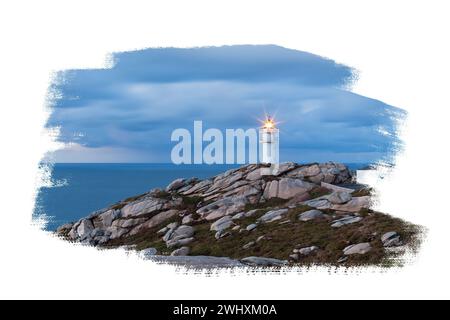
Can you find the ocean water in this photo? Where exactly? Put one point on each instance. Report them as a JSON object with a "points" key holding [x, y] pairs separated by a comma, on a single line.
{"points": [[78, 189]]}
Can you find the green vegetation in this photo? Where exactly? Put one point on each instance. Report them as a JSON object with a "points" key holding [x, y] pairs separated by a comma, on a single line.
{"points": [[280, 239], [362, 192], [319, 192], [162, 194]]}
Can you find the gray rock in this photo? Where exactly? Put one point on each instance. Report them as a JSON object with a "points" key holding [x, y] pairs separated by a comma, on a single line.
{"points": [[320, 203], [391, 239], [172, 225], [154, 221], [198, 261], [182, 232], [360, 248], [223, 207], [145, 206], [354, 205], [250, 227], [273, 215], [288, 187], [342, 259], [305, 171], [85, 228], [250, 213], [148, 252], [246, 191], [162, 231], [311, 215], [339, 197], [254, 175], [97, 232], [283, 168], [248, 245], [308, 250], [117, 232], [183, 251], [271, 190], [176, 184], [344, 221], [179, 242], [128, 223], [108, 217], [260, 238], [334, 187], [238, 216], [222, 224], [221, 234], [187, 219], [294, 256], [263, 262], [168, 234], [199, 187], [225, 180]]}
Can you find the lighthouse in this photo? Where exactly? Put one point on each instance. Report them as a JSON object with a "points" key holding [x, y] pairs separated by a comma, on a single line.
{"points": [[269, 141]]}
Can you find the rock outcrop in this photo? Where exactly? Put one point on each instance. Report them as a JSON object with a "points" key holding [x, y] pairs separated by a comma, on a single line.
{"points": [[251, 206]]}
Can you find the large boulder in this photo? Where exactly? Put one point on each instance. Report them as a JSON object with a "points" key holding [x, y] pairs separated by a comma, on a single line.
{"points": [[145, 206], [222, 224], [271, 190], [85, 228], [182, 232], [273, 215], [311, 215], [288, 188], [108, 217]]}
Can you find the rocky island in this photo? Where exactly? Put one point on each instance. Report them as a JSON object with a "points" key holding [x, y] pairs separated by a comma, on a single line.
{"points": [[301, 214]]}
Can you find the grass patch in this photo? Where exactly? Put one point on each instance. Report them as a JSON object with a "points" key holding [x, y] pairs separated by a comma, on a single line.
{"points": [[362, 192], [162, 194], [318, 192], [281, 239]]}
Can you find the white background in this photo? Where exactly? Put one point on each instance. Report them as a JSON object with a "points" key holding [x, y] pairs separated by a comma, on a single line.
{"points": [[400, 48]]}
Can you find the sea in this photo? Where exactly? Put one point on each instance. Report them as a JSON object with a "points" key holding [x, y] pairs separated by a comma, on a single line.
{"points": [[78, 189]]}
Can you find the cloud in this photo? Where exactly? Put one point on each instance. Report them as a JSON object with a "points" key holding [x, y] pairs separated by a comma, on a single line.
{"points": [[138, 103]]}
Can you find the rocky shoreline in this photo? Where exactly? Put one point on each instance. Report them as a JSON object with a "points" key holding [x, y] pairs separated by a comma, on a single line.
{"points": [[301, 214]]}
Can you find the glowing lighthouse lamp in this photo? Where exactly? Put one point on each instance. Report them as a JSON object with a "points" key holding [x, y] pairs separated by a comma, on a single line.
{"points": [[269, 141]]}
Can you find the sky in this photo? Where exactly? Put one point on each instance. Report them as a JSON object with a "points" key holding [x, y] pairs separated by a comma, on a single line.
{"points": [[127, 113]]}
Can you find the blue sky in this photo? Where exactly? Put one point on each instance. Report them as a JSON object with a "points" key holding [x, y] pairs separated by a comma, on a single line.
{"points": [[127, 113]]}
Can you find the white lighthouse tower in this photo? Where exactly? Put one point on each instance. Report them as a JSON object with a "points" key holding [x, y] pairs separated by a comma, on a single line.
{"points": [[269, 142]]}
